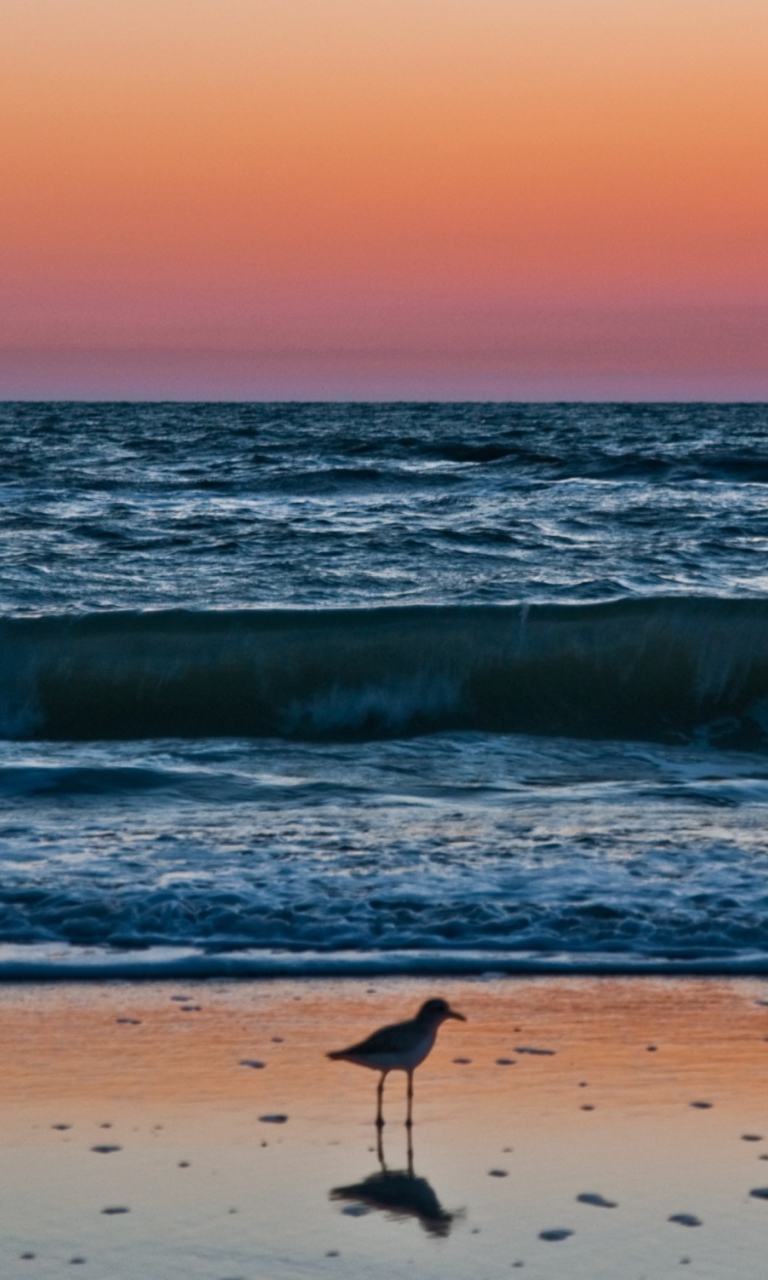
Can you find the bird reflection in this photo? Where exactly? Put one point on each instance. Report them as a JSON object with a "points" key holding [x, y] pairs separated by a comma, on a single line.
{"points": [[400, 1193]]}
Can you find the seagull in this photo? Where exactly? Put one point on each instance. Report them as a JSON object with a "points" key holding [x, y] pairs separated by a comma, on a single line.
{"points": [[402, 1047]]}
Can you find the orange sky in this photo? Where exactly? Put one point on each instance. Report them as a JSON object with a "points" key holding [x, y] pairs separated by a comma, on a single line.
{"points": [[421, 176]]}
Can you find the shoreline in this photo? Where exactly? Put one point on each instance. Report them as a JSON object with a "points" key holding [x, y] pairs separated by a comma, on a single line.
{"points": [[62, 963], [645, 1094]]}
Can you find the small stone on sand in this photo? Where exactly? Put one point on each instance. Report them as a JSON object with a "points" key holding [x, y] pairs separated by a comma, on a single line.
{"points": [[498, 1173], [277, 1039], [751, 1137], [685, 1219], [505, 1062], [539, 1053], [183, 1164], [131, 1022], [76, 1262], [115, 1208], [105, 1151], [463, 1062], [276, 1119], [591, 1197], [701, 1106], [556, 1233], [61, 1126], [587, 1106], [760, 1193], [251, 1062], [26, 1257]]}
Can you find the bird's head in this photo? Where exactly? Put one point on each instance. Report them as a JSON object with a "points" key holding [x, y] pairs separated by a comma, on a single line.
{"points": [[437, 1011]]}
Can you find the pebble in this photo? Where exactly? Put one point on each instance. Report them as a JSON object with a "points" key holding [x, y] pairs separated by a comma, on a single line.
{"points": [[701, 1106], [760, 1193], [116, 1208], [751, 1137], [498, 1173], [463, 1061], [105, 1151], [251, 1062], [539, 1053], [131, 1022], [591, 1197], [556, 1233], [685, 1219], [505, 1062], [61, 1126], [276, 1119]]}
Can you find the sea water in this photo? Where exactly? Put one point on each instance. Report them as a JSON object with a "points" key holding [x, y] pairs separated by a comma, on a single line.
{"points": [[383, 688]]}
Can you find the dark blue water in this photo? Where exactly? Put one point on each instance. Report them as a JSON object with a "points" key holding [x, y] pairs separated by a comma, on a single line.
{"points": [[383, 687]]}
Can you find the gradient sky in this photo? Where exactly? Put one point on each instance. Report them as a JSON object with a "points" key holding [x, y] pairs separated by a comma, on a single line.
{"points": [[301, 198]]}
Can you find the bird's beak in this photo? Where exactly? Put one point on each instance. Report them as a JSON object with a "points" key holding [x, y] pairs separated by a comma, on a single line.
{"points": [[453, 1014]]}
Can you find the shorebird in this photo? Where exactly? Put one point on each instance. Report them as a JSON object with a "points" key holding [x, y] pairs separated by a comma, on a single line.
{"points": [[402, 1047]]}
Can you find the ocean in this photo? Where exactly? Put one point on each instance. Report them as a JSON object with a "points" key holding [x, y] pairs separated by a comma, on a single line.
{"points": [[383, 688]]}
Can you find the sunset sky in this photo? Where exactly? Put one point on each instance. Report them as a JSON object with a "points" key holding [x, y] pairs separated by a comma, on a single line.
{"points": [[350, 198]]}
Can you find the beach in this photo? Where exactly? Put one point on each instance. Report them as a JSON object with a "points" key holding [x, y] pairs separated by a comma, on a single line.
{"points": [[309, 713], [136, 1123]]}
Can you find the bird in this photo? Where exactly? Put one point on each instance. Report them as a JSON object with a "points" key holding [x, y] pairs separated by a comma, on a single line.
{"points": [[402, 1047]]}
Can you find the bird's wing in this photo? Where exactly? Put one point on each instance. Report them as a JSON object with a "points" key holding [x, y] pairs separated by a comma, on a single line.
{"points": [[381, 1041]]}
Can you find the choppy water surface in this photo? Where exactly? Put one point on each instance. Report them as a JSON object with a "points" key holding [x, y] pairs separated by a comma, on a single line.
{"points": [[383, 687]]}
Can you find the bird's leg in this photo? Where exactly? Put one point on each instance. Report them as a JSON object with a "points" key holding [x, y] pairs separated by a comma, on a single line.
{"points": [[410, 1151], [380, 1150], [409, 1117], [380, 1100]]}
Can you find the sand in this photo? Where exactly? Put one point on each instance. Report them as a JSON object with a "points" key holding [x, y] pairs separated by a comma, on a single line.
{"points": [[591, 1128]]}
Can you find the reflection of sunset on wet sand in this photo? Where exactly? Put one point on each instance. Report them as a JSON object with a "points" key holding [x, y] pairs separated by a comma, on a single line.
{"points": [[505, 1141]]}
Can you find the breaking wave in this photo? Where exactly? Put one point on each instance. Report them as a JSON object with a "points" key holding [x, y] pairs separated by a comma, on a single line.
{"points": [[665, 669]]}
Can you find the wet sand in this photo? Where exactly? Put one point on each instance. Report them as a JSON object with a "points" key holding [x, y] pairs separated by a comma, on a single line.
{"points": [[138, 1138]]}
